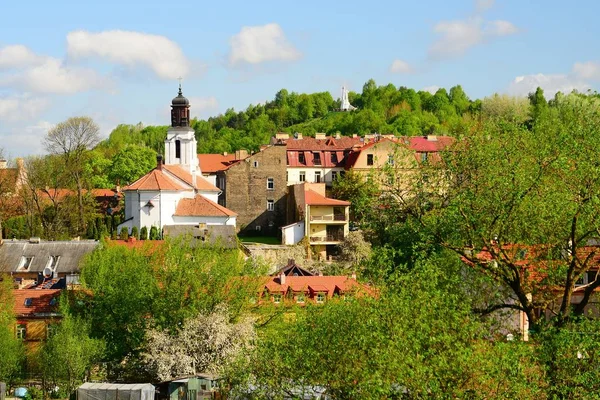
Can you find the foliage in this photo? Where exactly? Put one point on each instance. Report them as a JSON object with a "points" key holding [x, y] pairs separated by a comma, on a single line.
{"points": [[354, 249], [135, 233], [11, 348], [124, 234], [144, 233], [70, 353], [130, 163], [205, 343], [353, 187], [154, 233]]}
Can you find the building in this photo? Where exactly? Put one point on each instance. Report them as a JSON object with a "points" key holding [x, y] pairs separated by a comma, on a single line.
{"points": [[256, 189], [36, 262], [213, 168], [318, 159], [36, 311], [326, 221], [175, 192]]}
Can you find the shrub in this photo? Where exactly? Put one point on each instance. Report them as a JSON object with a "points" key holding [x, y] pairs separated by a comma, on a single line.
{"points": [[124, 234], [154, 234], [135, 233], [144, 233]]}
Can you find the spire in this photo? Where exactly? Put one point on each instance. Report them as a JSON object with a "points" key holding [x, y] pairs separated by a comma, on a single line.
{"points": [[180, 110]]}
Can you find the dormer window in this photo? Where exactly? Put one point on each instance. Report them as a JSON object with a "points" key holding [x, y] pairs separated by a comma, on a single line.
{"points": [[25, 262], [334, 159], [317, 158], [301, 159], [53, 262], [320, 297]]}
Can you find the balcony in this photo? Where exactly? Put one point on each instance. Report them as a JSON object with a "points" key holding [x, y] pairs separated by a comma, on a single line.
{"points": [[329, 218], [327, 239]]}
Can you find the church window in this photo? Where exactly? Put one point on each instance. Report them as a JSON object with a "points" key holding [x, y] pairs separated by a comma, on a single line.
{"points": [[178, 149]]}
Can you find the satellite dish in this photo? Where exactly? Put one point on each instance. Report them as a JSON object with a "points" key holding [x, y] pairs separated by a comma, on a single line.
{"points": [[48, 272]]}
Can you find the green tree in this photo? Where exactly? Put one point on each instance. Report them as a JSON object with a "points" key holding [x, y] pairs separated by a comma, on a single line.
{"points": [[354, 188], [130, 163], [11, 348]]}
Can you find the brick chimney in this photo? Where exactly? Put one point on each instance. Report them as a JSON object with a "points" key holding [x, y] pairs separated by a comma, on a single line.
{"points": [[159, 162]]}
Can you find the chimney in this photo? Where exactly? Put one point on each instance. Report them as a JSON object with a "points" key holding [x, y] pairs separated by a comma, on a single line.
{"points": [[282, 135], [159, 162], [354, 136], [225, 153], [320, 136], [282, 278], [431, 138], [338, 135], [3, 164], [290, 262], [353, 276], [298, 136], [241, 154], [320, 273]]}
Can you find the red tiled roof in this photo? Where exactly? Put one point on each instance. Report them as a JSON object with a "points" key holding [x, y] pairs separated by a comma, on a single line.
{"points": [[330, 151], [312, 144], [201, 183], [329, 285], [40, 301], [155, 180], [200, 206], [211, 163], [313, 198]]}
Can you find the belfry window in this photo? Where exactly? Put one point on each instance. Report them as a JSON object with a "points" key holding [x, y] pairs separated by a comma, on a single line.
{"points": [[177, 148]]}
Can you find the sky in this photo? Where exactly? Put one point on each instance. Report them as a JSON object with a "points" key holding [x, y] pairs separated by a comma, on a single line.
{"points": [[119, 61]]}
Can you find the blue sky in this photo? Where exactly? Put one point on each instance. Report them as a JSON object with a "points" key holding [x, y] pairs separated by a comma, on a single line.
{"points": [[118, 61]]}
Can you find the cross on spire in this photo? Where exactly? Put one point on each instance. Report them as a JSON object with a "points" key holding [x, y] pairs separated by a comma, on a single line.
{"points": [[180, 79]]}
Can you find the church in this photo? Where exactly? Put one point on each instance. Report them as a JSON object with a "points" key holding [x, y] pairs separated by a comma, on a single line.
{"points": [[175, 193]]}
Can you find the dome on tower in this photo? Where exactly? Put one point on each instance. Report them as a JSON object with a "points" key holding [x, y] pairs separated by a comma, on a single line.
{"points": [[180, 100]]}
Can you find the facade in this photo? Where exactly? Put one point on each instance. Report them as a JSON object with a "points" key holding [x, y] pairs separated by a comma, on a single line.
{"points": [[326, 221], [175, 192], [256, 190], [35, 262], [213, 168], [318, 159]]}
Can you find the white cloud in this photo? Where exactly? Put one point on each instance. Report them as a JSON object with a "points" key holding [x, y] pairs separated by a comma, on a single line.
{"points": [[53, 76], [456, 37], [483, 5], [431, 89], [203, 106], [258, 44], [401, 67], [551, 83], [128, 48], [21, 108], [19, 141], [18, 56], [587, 70]]}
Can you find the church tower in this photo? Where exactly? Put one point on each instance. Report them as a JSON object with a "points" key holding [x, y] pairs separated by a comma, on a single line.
{"points": [[180, 144]]}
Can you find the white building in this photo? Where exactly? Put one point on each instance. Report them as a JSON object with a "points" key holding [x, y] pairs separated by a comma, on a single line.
{"points": [[175, 193]]}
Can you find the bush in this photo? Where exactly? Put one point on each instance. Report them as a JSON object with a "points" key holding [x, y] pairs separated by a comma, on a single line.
{"points": [[124, 234], [154, 234], [135, 233], [144, 233]]}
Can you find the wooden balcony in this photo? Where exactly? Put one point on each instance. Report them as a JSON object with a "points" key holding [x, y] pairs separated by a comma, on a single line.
{"points": [[335, 218]]}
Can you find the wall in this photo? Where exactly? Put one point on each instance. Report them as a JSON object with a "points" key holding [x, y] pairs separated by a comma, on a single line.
{"points": [[292, 234]]}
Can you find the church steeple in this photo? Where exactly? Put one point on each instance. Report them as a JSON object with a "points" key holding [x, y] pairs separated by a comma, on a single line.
{"points": [[180, 110]]}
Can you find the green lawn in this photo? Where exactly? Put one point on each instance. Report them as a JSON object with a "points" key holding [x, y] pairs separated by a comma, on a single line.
{"points": [[259, 239]]}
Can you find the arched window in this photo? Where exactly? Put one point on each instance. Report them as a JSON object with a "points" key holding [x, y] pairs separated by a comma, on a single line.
{"points": [[177, 149]]}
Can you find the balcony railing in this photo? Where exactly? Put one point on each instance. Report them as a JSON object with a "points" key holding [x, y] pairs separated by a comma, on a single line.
{"points": [[327, 238], [334, 217]]}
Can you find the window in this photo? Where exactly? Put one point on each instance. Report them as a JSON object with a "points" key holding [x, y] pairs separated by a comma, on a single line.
{"points": [[390, 159], [317, 158], [276, 298], [27, 302], [50, 330], [369, 159], [257, 228], [53, 263], [255, 164], [320, 297], [177, 149], [302, 176], [300, 298], [270, 205], [301, 158], [26, 262], [333, 175], [270, 184], [21, 331], [334, 159], [342, 174], [317, 176]]}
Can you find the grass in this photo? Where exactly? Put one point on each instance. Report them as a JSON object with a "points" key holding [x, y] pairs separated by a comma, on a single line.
{"points": [[259, 239]]}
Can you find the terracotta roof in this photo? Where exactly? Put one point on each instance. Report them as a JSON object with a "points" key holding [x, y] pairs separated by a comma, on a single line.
{"points": [[313, 198], [211, 163], [329, 285], [309, 143], [133, 243], [155, 180], [200, 206], [201, 183], [40, 303]]}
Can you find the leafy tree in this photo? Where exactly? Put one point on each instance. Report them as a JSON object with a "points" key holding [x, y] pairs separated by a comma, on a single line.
{"points": [[130, 163], [354, 188], [71, 140], [11, 348]]}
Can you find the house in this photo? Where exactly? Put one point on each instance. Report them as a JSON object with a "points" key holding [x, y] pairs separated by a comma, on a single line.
{"points": [[175, 192], [289, 289], [36, 311], [213, 167], [256, 189], [326, 221], [318, 159], [37, 262]]}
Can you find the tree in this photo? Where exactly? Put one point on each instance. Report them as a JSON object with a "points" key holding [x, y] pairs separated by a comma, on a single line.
{"points": [[69, 354], [205, 343], [519, 205], [130, 163], [71, 140], [354, 188], [354, 249], [11, 348]]}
